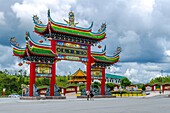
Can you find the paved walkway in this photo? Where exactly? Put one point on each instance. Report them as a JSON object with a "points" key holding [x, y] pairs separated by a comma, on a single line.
{"points": [[111, 105], [156, 93], [154, 104]]}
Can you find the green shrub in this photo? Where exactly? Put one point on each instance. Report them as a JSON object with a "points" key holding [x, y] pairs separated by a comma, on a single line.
{"points": [[110, 85], [81, 87], [126, 92], [96, 85]]}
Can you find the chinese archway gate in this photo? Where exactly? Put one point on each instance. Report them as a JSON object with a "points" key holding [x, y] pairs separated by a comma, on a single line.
{"points": [[67, 42]]}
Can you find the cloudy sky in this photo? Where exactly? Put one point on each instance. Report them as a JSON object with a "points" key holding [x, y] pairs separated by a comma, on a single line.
{"points": [[140, 27]]}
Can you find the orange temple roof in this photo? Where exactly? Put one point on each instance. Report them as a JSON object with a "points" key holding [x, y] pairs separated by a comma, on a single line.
{"points": [[79, 73]]}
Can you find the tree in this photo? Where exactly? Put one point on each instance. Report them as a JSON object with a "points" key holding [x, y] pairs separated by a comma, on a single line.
{"points": [[110, 85], [160, 80], [125, 82], [143, 87], [96, 85], [20, 72], [25, 73], [6, 71]]}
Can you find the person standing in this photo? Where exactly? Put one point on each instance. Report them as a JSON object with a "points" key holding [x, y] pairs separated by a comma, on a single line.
{"points": [[91, 95], [88, 94]]}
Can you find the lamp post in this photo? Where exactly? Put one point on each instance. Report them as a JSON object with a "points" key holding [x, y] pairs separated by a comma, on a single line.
{"points": [[162, 72], [162, 80], [162, 76]]}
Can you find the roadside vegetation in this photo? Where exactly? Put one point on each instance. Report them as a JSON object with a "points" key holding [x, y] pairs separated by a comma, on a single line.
{"points": [[13, 83]]}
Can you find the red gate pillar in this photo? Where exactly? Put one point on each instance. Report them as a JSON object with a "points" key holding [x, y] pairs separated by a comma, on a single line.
{"points": [[153, 87], [88, 68], [163, 88], [103, 82], [32, 78], [53, 78], [34, 73], [76, 89]]}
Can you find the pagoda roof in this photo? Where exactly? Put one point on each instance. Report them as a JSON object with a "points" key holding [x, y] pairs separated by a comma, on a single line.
{"points": [[56, 27], [18, 51], [32, 48], [103, 58], [39, 49], [79, 73], [78, 80]]}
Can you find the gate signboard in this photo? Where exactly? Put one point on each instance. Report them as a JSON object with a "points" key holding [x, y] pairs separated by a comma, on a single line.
{"points": [[96, 73], [70, 51], [43, 70]]}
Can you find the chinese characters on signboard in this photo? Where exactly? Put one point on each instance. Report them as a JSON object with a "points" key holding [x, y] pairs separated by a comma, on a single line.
{"points": [[43, 70], [73, 52], [96, 73]]}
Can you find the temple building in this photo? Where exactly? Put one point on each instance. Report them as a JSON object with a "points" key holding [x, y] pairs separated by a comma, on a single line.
{"points": [[80, 77]]}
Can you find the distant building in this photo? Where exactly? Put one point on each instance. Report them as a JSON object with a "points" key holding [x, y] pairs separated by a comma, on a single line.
{"points": [[80, 77], [111, 78]]}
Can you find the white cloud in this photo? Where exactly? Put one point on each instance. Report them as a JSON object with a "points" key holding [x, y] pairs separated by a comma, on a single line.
{"points": [[25, 10], [142, 72], [130, 41], [5, 54], [69, 67], [2, 18], [9, 62], [142, 6], [114, 69], [167, 52]]}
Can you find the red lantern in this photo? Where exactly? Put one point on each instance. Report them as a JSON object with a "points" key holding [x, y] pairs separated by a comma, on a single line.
{"points": [[99, 46], [41, 41], [49, 39], [28, 62], [20, 64]]}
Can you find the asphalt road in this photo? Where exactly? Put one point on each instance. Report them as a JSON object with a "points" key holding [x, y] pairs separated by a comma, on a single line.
{"points": [[72, 105]]}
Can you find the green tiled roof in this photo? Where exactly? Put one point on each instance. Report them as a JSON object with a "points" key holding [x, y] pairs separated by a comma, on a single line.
{"points": [[41, 51], [18, 52], [114, 76], [57, 27], [106, 59], [63, 29]]}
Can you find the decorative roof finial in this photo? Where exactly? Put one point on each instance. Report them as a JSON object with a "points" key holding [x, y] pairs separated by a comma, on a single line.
{"points": [[14, 42], [118, 50], [71, 19], [48, 13], [104, 48], [27, 34], [37, 20], [103, 27]]}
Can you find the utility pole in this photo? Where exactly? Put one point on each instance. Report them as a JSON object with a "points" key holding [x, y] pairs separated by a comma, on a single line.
{"points": [[162, 81], [162, 75]]}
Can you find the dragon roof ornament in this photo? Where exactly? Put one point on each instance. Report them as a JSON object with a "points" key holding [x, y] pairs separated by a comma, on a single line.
{"points": [[37, 20], [118, 50], [103, 27], [14, 42]]}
